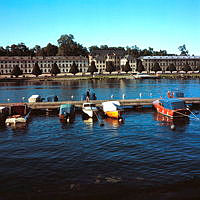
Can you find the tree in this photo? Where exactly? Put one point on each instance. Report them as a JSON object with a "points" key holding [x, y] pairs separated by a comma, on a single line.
{"points": [[36, 70], [186, 68], [74, 68], [92, 68], [16, 71], [156, 67], [50, 50], [127, 67], [183, 50], [92, 48], [68, 47], [140, 68], [110, 67], [171, 67], [55, 70]]}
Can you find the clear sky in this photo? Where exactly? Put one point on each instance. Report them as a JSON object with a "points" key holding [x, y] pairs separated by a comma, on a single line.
{"points": [[160, 24]]}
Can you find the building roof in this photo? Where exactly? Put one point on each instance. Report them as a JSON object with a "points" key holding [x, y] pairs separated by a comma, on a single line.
{"points": [[104, 52], [168, 57], [38, 58]]}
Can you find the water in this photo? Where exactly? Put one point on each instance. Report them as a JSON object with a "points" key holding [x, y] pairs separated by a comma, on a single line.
{"points": [[142, 158]]}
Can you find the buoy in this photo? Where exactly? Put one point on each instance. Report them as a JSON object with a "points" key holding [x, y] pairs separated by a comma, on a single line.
{"points": [[72, 97], [172, 127]]}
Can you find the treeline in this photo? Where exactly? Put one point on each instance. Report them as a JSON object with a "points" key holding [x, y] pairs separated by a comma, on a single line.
{"points": [[68, 47]]}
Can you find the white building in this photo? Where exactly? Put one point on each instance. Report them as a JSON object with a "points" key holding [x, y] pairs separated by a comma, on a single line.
{"points": [[45, 63], [132, 62], [165, 61]]}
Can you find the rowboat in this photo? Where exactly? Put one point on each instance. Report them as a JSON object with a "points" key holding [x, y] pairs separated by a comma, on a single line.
{"points": [[171, 107], [67, 112], [18, 113]]}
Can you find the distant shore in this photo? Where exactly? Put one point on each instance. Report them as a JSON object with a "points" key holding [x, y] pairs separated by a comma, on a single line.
{"points": [[60, 77]]}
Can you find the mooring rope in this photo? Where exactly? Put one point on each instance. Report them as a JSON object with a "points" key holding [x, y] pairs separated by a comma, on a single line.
{"points": [[195, 117]]}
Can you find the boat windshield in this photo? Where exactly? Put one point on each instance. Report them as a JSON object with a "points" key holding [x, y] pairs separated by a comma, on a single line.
{"points": [[89, 105]]}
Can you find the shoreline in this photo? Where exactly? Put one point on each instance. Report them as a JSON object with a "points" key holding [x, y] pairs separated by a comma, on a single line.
{"points": [[97, 77]]}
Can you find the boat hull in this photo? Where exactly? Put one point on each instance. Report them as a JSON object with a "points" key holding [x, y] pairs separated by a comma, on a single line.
{"points": [[178, 113], [113, 114]]}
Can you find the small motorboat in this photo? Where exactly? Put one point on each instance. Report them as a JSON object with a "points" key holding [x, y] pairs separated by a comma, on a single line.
{"points": [[67, 112], [34, 98], [145, 76], [89, 110], [112, 109], [171, 107], [18, 113], [4, 112]]}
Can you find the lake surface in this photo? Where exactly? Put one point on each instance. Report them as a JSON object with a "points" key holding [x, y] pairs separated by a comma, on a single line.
{"points": [[142, 158]]}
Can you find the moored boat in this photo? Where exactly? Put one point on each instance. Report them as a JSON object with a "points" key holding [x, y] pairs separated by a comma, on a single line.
{"points": [[34, 98], [112, 109], [145, 76], [67, 112], [89, 110], [171, 107], [18, 113]]}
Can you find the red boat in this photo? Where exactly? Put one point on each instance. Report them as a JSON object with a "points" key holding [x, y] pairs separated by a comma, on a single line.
{"points": [[171, 107]]}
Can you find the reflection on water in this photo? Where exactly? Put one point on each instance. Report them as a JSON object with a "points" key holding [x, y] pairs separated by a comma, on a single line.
{"points": [[49, 157], [167, 121], [113, 122]]}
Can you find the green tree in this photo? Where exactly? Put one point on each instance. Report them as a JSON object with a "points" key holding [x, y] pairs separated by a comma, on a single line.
{"points": [[171, 67], [183, 50], [74, 68], [140, 68], [16, 71], [110, 67], [92, 68], [50, 50], [55, 69], [127, 67], [68, 47], [36, 70], [186, 68], [156, 67]]}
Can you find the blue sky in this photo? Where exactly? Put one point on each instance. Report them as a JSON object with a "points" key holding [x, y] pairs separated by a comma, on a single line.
{"points": [[160, 24]]}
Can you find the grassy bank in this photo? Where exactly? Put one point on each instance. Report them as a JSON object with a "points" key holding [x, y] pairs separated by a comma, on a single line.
{"points": [[89, 77]]}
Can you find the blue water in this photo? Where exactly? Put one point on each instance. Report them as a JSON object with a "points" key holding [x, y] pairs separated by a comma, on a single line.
{"points": [[142, 158]]}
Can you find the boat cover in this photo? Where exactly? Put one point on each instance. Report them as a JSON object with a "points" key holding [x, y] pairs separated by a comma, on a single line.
{"points": [[111, 106], [173, 104]]}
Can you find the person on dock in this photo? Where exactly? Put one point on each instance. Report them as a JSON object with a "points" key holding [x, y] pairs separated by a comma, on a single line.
{"points": [[88, 95], [94, 96]]}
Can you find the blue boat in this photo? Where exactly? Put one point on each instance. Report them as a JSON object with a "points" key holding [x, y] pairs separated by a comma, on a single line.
{"points": [[67, 112]]}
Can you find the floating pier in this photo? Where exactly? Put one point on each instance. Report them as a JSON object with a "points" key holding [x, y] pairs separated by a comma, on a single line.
{"points": [[123, 102]]}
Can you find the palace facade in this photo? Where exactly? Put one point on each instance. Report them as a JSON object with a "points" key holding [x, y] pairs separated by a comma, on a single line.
{"points": [[165, 61], [45, 63], [102, 56]]}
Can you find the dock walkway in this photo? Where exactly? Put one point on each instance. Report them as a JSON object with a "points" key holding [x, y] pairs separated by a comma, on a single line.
{"points": [[124, 102]]}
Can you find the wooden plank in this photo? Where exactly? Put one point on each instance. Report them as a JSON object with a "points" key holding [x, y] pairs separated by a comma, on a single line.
{"points": [[123, 102]]}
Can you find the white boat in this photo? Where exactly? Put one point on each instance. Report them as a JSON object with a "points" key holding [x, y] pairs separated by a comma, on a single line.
{"points": [[18, 113], [112, 109], [89, 110], [145, 76], [34, 98]]}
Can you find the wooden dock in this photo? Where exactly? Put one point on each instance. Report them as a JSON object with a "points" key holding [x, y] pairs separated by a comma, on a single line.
{"points": [[124, 102]]}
